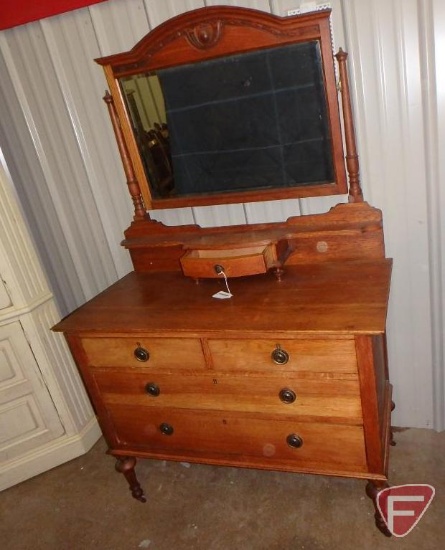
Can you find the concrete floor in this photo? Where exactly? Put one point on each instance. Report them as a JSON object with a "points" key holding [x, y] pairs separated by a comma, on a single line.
{"points": [[84, 504]]}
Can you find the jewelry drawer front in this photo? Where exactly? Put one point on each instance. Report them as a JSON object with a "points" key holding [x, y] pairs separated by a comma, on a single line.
{"points": [[320, 396], [142, 352], [323, 355], [235, 438]]}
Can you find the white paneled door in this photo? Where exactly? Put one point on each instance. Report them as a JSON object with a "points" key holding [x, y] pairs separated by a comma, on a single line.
{"points": [[5, 300], [45, 416], [28, 417]]}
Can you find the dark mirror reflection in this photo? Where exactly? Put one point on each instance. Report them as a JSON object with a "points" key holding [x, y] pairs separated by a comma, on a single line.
{"points": [[252, 121], [146, 109]]}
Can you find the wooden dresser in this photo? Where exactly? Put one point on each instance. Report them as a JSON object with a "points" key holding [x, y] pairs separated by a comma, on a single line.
{"points": [[286, 375], [289, 370]]}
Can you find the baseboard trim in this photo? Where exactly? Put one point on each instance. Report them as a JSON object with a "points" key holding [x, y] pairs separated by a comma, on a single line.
{"points": [[49, 456]]}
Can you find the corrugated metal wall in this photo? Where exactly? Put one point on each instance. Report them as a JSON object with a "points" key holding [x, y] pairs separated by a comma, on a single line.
{"points": [[58, 143]]}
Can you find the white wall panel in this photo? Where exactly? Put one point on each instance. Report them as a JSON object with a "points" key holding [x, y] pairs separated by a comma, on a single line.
{"points": [[52, 133], [208, 216], [60, 146], [174, 216], [44, 224], [386, 57], [118, 24], [158, 12], [81, 79], [263, 5], [271, 211], [433, 50]]}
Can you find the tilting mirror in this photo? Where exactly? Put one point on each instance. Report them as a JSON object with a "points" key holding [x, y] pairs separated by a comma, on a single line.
{"points": [[206, 119]]}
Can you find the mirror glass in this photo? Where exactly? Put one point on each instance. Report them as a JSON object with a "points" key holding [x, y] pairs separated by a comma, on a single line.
{"points": [[244, 122]]}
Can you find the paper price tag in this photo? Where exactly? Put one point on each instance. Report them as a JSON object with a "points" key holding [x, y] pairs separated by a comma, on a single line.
{"points": [[222, 295]]}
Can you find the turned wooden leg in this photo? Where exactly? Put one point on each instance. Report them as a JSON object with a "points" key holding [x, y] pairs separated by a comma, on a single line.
{"points": [[125, 465], [372, 489]]}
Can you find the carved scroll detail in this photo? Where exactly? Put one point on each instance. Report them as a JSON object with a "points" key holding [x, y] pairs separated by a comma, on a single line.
{"points": [[205, 35]]}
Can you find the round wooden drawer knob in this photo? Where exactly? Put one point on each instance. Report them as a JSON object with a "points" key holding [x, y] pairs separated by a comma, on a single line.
{"points": [[166, 429], [287, 396], [294, 440], [152, 389], [141, 354], [280, 356]]}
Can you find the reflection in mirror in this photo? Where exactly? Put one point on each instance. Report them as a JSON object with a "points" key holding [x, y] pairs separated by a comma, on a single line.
{"points": [[250, 121], [146, 110]]}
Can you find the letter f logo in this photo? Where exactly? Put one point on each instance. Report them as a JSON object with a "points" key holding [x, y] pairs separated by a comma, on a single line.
{"points": [[402, 507]]}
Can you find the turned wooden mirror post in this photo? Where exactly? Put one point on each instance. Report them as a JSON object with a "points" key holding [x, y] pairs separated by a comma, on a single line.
{"points": [[352, 162], [133, 185]]}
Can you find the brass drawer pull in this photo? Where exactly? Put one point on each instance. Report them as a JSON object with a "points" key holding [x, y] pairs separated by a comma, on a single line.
{"points": [[141, 354], [287, 396], [166, 429], [152, 389], [294, 440], [280, 356]]}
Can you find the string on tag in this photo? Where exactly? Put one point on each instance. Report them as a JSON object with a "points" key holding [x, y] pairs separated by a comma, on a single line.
{"points": [[226, 281], [222, 294]]}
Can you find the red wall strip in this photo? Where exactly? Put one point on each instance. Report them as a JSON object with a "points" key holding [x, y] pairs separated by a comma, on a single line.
{"points": [[19, 12]]}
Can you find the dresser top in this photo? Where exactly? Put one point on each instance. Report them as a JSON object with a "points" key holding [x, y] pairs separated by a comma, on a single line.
{"points": [[347, 298]]}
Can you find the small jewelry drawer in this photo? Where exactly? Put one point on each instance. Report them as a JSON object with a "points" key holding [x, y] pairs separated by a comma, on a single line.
{"points": [[234, 262], [142, 352], [324, 355]]}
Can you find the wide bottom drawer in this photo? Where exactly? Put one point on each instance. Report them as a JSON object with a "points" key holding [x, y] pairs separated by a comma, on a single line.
{"points": [[258, 439]]}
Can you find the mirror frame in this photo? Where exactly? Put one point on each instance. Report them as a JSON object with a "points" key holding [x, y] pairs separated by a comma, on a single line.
{"points": [[209, 33]]}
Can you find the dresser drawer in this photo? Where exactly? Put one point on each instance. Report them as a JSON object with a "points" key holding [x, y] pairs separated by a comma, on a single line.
{"points": [[234, 262], [140, 352], [329, 356], [252, 439], [320, 397]]}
